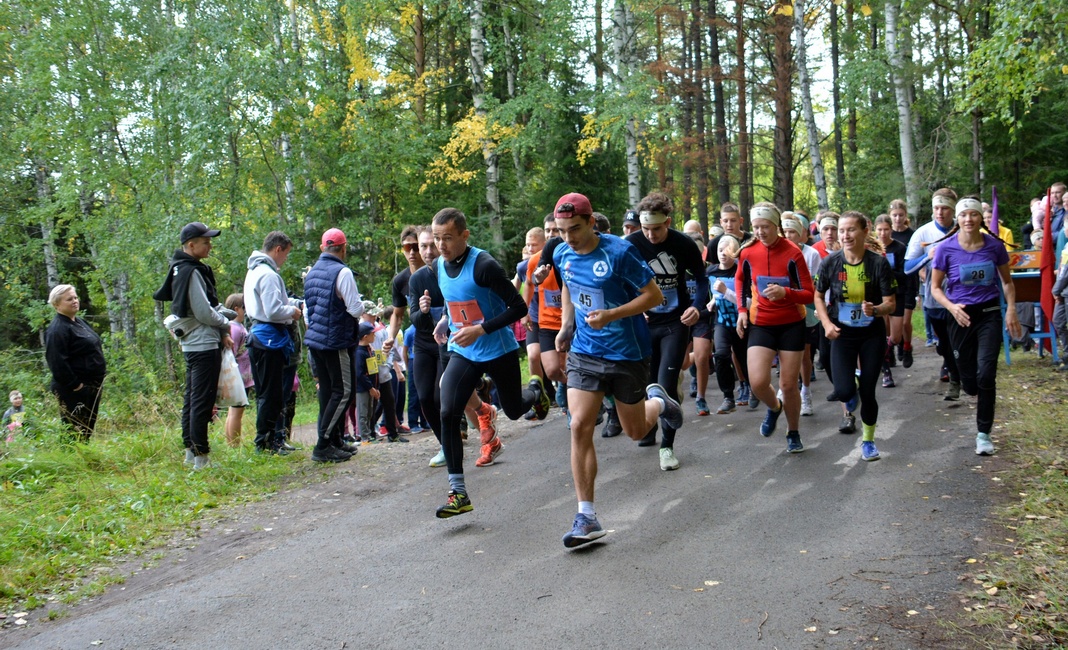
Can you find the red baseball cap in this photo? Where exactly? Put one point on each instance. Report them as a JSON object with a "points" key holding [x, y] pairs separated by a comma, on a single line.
{"points": [[573, 204], [334, 237]]}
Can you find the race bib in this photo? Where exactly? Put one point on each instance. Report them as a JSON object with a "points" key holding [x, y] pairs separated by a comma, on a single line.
{"points": [[890, 258], [851, 314], [586, 299], [691, 288], [553, 299], [465, 313], [372, 364], [670, 302], [764, 280], [978, 274]]}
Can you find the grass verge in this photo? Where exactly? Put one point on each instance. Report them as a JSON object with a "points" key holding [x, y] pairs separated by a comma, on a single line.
{"points": [[1019, 592]]}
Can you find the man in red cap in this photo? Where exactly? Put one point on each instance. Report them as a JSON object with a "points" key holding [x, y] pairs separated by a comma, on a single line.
{"points": [[333, 307]]}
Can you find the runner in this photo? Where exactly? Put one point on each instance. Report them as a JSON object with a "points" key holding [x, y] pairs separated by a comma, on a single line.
{"points": [[607, 289], [902, 233], [862, 290], [480, 305], [920, 251], [796, 228], [728, 344], [895, 255], [547, 288], [673, 257], [773, 287], [968, 263], [731, 223]]}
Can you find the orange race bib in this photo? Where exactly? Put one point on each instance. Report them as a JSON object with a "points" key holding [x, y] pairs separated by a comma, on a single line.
{"points": [[465, 313]]}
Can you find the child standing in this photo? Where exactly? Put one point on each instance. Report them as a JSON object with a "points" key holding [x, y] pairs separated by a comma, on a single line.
{"points": [[13, 416], [366, 381]]}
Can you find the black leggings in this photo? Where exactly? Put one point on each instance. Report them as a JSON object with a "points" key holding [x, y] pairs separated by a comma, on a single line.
{"points": [[460, 379], [669, 351], [78, 409], [868, 345], [976, 349], [426, 376], [945, 348], [726, 342]]}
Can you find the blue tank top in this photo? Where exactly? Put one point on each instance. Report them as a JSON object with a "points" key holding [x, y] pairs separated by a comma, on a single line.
{"points": [[467, 304], [608, 276]]}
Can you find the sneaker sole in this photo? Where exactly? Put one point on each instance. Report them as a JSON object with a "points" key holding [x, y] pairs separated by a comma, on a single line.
{"points": [[870, 458], [445, 514], [669, 469], [575, 542], [492, 459]]}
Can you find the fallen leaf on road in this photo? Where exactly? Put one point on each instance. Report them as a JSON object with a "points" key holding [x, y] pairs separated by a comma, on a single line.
{"points": [[711, 583], [911, 612], [992, 591], [832, 632], [699, 589], [971, 560], [810, 629]]}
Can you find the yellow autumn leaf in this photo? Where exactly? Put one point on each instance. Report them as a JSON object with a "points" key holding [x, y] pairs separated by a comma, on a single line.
{"points": [[1064, 69], [786, 10], [865, 10]]}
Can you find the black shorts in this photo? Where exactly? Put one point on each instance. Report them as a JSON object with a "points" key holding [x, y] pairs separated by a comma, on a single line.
{"points": [[703, 329], [907, 301], [532, 335], [624, 380], [784, 338], [812, 335], [547, 338]]}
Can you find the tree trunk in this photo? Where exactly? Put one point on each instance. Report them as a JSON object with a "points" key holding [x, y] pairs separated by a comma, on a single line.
{"points": [[419, 45], [489, 151], [168, 348], [782, 96], [978, 164], [598, 47], [623, 42], [698, 86], [48, 223], [723, 180], [816, 158], [685, 203], [836, 98], [743, 133], [904, 111], [512, 73], [851, 126]]}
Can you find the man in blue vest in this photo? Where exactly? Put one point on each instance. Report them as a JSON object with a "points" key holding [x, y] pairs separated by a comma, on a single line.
{"points": [[480, 305], [334, 306]]}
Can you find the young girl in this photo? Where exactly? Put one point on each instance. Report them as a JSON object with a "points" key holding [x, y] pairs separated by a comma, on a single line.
{"points": [[895, 255], [970, 262], [862, 290], [238, 333], [724, 309]]}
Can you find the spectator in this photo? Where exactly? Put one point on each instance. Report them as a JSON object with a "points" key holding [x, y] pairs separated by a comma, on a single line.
{"points": [[202, 331], [75, 355], [238, 333], [1003, 233], [367, 381], [1056, 198], [14, 416], [416, 420]]}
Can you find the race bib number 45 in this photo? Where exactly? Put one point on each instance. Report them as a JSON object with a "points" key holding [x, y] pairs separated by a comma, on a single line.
{"points": [[586, 299]]}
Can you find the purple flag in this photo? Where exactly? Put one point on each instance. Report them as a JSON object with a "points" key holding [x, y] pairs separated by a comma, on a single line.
{"points": [[994, 225]]}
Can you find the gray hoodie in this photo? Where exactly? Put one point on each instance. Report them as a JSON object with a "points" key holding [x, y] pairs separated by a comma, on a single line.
{"points": [[266, 300], [206, 326]]}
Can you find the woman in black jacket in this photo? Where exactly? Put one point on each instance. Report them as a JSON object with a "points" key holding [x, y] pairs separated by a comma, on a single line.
{"points": [[76, 358]]}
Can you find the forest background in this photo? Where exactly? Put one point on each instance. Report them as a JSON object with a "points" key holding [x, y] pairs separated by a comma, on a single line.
{"points": [[122, 120]]}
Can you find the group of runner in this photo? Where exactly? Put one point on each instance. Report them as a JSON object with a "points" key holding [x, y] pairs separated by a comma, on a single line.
{"points": [[613, 321]]}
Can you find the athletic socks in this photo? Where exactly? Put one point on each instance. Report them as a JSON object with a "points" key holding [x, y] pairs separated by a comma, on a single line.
{"points": [[586, 508], [869, 432], [456, 483]]}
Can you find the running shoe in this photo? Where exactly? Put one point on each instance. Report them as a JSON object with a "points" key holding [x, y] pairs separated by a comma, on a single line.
{"points": [[397, 438], [726, 407], [613, 428], [672, 413], [668, 461], [853, 402], [650, 438], [702, 406], [983, 445], [743, 393], [953, 392], [485, 389], [489, 454], [771, 419], [600, 415], [330, 455], [848, 424], [456, 504], [415, 429], [793, 443], [754, 401], [583, 531], [888, 379], [530, 415], [832, 397], [561, 394], [541, 398], [693, 387], [439, 459], [402, 428], [944, 375], [487, 422], [906, 358], [900, 351], [868, 451], [806, 404]]}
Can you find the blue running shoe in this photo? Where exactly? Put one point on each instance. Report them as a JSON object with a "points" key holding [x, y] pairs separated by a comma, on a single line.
{"points": [[793, 443], [851, 405], [583, 531], [672, 413], [767, 427], [561, 394], [868, 451]]}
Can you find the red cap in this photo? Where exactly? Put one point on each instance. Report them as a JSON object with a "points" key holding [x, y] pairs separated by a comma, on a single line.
{"points": [[334, 237], [573, 204]]}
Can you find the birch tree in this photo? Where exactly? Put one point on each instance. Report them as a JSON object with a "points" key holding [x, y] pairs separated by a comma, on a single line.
{"points": [[624, 42], [904, 109], [818, 174], [479, 96]]}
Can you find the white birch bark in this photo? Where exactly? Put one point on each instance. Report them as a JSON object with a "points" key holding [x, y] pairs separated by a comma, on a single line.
{"points": [[624, 39], [818, 173], [904, 110], [489, 152]]}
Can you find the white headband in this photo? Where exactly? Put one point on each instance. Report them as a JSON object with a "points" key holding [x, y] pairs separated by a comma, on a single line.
{"points": [[969, 204], [764, 212], [648, 218], [938, 200], [795, 225], [828, 221]]}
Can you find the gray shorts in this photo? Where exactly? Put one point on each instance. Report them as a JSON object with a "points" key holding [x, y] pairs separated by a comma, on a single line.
{"points": [[624, 380]]}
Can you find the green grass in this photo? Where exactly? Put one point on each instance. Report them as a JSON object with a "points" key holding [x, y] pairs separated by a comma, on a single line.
{"points": [[1019, 592], [68, 510]]}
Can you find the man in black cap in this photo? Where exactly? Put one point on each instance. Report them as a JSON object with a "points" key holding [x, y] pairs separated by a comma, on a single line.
{"points": [[202, 330]]}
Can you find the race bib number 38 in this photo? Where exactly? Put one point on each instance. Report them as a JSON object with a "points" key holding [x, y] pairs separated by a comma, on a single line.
{"points": [[465, 313]]}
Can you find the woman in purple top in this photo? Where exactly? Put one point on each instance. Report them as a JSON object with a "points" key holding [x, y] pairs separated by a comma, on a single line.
{"points": [[234, 417], [970, 262]]}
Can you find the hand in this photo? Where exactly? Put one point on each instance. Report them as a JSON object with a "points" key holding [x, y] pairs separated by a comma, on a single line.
{"points": [[387, 345], [374, 393], [774, 292], [563, 341], [598, 318], [424, 302], [962, 318], [831, 330], [528, 324], [227, 341], [720, 286], [299, 313], [1012, 323], [465, 336], [690, 316], [867, 308], [540, 273], [743, 323], [80, 386], [441, 332]]}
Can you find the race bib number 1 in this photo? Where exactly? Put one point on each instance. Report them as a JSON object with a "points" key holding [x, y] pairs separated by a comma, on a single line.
{"points": [[465, 313]]}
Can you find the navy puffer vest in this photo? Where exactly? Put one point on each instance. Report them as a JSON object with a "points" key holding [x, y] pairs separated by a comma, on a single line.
{"points": [[330, 326]]}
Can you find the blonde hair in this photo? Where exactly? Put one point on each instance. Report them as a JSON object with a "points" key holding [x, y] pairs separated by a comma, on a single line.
{"points": [[13, 395], [58, 292]]}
